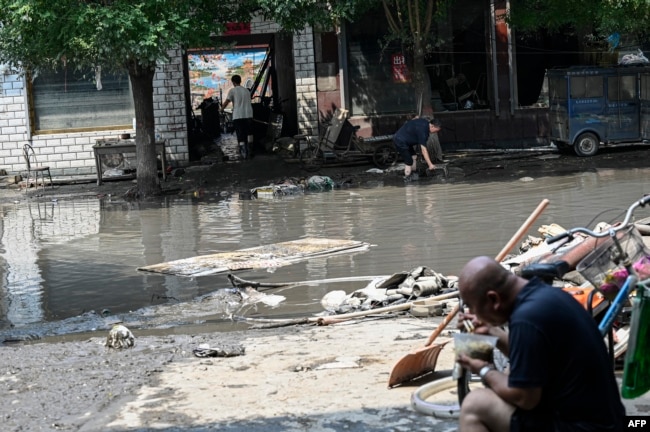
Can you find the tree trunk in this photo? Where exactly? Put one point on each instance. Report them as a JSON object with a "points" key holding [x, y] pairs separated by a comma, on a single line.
{"points": [[421, 81], [147, 164]]}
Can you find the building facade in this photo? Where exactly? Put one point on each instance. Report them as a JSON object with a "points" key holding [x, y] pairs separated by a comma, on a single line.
{"points": [[484, 86]]}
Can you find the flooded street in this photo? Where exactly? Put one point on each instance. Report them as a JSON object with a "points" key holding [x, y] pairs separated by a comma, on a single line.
{"points": [[68, 266]]}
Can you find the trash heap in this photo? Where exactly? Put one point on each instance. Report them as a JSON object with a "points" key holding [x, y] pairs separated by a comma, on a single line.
{"points": [[417, 284]]}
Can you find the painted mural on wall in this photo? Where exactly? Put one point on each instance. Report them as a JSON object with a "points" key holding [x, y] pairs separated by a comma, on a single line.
{"points": [[210, 72]]}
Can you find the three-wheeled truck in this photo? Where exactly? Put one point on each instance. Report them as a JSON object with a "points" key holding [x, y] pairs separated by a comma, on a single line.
{"points": [[590, 107]]}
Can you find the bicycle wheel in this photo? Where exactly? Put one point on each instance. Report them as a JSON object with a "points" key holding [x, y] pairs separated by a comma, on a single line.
{"points": [[384, 155], [311, 158]]}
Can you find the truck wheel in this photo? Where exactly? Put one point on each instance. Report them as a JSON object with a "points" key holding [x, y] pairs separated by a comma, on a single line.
{"points": [[586, 144]]}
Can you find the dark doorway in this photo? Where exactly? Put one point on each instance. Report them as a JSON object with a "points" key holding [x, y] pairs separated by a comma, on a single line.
{"points": [[268, 73]]}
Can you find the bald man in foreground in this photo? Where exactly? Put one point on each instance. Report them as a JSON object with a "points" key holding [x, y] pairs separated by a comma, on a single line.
{"points": [[560, 376]]}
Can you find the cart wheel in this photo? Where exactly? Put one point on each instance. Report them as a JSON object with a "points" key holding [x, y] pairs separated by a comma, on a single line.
{"points": [[311, 158], [384, 155]]}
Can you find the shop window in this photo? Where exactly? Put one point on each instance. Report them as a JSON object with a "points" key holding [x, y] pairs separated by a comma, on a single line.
{"points": [[70, 100], [537, 52], [372, 88], [379, 81]]}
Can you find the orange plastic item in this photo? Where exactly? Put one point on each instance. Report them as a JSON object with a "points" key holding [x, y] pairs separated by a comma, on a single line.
{"points": [[582, 296]]}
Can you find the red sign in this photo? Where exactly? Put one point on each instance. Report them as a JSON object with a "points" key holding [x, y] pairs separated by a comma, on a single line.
{"points": [[237, 28], [400, 70]]}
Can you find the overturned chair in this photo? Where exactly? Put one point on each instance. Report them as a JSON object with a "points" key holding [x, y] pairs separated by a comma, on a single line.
{"points": [[33, 167]]}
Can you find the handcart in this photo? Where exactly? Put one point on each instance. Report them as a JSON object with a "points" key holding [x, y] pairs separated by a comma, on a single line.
{"points": [[340, 144]]}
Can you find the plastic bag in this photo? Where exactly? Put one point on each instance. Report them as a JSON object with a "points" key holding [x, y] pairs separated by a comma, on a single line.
{"points": [[320, 183]]}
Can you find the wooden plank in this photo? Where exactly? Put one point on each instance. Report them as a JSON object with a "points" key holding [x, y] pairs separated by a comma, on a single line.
{"points": [[259, 257]]}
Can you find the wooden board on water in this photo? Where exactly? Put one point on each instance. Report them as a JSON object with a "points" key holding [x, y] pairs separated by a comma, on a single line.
{"points": [[260, 257]]}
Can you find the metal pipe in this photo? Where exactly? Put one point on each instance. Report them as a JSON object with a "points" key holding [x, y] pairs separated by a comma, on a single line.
{"points": [[341, 38], [512, 64], [493, 47]]}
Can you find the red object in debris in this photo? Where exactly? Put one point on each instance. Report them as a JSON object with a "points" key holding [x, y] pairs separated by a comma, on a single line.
{"points": [[169, 170]]}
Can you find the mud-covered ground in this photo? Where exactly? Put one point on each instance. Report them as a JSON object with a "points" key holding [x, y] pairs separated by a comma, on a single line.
{"points": [[297, 378], [213, 174]]}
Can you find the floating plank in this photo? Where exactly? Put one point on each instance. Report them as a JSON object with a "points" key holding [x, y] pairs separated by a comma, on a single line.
{"points": [[260, 257]]}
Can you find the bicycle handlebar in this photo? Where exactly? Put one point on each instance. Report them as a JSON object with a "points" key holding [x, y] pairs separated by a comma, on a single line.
{"points": [[610, 232]]}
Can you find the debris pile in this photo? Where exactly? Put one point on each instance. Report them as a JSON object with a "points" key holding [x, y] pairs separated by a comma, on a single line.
{"points": [[418, 283]]}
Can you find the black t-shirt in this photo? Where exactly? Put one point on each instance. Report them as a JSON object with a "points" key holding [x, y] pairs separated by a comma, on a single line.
{"points": [[414, 132], [555, 344]]}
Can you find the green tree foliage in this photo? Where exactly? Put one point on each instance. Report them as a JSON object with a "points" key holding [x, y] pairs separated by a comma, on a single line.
{"points": [[131, 35], [600, 16], [294, 15]]}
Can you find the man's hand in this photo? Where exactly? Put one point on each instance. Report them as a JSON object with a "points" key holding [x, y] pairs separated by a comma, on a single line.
{"points": [[471, 364], [479, 327]]}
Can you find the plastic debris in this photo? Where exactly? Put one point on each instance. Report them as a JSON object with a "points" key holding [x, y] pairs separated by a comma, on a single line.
{"points": [[276, 191], [204, 350], [320, 183], [120, 337]]}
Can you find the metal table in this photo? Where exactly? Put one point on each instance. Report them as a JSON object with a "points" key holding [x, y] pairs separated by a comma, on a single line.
{"points": [[108, 146]]}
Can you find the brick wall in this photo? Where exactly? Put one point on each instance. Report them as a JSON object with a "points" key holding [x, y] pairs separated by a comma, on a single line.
{"points": [[303, 48], [305, 67], [169, 108], [71, 154]]}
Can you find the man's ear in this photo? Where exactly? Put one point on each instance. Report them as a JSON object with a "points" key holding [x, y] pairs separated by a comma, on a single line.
{"points": [[494, 299]]}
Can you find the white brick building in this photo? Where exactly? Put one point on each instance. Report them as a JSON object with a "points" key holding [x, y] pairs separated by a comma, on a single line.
{"points": [[71, 153]]}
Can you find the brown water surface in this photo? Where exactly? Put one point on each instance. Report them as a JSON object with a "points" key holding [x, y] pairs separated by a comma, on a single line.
{"points": [[70, 266]]}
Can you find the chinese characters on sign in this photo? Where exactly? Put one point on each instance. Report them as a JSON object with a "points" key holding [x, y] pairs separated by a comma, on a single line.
{"points": [[400, 70], [237, 28]]}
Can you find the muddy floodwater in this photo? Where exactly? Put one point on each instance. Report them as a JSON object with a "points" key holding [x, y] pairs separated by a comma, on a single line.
{"points": [[70, 266]]}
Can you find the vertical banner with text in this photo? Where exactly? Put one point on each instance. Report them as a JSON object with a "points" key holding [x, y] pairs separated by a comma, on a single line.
{"points": [[400, 70]]}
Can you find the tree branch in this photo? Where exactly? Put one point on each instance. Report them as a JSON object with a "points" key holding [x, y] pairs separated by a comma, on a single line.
{"points": [[389, 17], [429, 17]]}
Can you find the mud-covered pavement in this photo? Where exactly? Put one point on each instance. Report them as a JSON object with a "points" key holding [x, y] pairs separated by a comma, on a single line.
{"points": [[301, 378], [229, 178], [304, 378], [293, 379]]}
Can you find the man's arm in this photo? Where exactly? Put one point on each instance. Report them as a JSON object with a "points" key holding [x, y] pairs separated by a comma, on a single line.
{"points": [[225, 104], [525, 398], [427, 159]]}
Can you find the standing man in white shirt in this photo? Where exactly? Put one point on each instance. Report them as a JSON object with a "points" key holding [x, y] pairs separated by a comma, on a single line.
{"points": [[242, 113]]}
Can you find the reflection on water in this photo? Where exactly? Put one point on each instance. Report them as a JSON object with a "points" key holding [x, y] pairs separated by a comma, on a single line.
{"points": [[61, 260]]}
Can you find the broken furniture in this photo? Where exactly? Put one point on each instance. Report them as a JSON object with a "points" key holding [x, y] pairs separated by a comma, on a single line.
{"points": [[121, 147]]}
